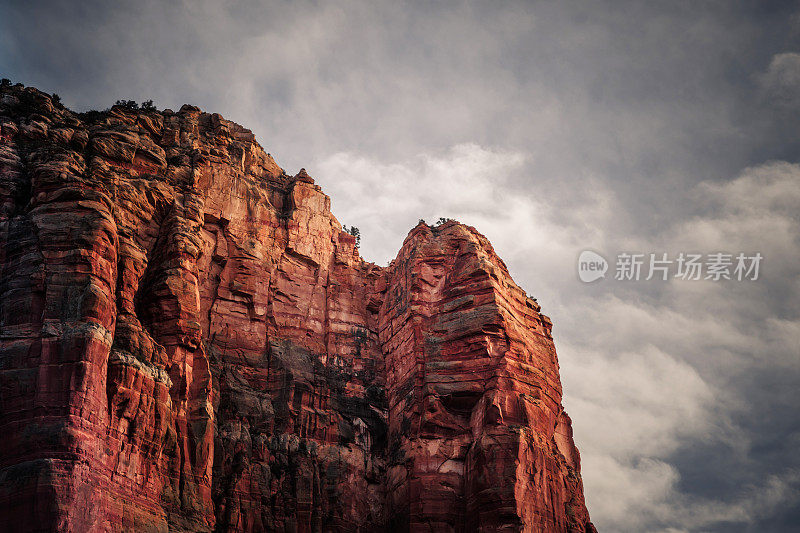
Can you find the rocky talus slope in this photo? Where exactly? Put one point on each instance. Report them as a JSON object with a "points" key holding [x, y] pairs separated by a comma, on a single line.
{"points": [[190, 342]]}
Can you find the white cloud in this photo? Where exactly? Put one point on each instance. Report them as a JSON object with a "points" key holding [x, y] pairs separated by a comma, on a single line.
{"points": [[387, 199]]}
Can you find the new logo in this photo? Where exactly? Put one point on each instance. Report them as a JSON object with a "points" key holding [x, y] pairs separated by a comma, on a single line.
{"points": [[591, 266]]}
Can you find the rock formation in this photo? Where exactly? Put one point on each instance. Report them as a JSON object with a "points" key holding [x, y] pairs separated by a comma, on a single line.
{"points": [[190, 342]]}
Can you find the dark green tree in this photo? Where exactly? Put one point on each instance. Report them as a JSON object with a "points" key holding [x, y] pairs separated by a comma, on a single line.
{"points": [[355, 232], [127, 104]]}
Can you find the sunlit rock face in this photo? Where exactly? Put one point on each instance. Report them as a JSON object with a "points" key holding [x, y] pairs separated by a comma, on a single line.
{"points": [[190, 342]]}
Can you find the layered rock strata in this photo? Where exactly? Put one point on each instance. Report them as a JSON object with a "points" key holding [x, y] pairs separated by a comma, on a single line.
{"points": [[190, 342]]}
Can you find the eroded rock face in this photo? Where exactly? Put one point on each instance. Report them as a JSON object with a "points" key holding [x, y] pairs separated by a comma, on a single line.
{"points": [[190, 342]]}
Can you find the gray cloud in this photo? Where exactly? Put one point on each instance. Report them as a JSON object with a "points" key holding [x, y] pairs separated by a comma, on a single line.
{"points": [[781, 81], [552, 128]]}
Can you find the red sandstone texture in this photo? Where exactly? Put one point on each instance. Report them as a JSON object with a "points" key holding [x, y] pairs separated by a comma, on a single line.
{"points": [[190, 342]]}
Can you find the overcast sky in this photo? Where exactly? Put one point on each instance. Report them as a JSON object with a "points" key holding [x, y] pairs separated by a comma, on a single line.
{"points": [[552, 128]]}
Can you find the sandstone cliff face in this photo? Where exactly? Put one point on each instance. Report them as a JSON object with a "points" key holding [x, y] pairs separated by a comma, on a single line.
{"points": [[190, 342]]}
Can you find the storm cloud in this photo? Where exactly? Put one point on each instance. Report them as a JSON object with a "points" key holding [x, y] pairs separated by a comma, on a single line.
{"points": [[552, 128]]}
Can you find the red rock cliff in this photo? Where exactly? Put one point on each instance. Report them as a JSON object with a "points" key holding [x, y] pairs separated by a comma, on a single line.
{"points": [[190, 342]]}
